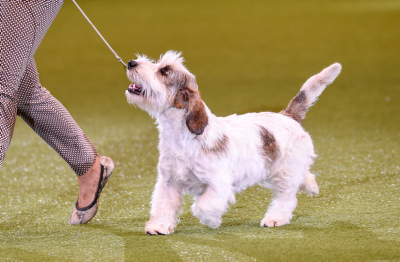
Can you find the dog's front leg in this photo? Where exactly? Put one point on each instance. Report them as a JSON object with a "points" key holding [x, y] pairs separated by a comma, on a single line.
{"points": [[165, 206], [212, 204]]}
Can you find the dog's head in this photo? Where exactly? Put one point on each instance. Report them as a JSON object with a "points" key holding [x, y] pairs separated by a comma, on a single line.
{"points": [[158, 86]]}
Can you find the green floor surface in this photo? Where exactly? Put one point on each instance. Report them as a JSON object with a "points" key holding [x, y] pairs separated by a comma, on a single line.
{"points": [[247, 56]]}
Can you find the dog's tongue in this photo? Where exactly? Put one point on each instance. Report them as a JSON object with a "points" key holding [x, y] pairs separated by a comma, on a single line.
{"points": [[133, 85]]}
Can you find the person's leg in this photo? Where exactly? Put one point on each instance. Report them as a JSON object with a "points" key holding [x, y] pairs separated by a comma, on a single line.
{"points": [[8, 113], [70, 146], [53, 123], [23, 25], [17, 33]]}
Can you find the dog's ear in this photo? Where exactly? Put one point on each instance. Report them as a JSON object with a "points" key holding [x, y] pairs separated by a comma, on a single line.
{"points": [[181, 100], [189, 98], [196, 117]]}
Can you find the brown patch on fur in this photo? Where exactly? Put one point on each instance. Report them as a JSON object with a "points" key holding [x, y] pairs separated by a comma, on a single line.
{"points": [[297, 108], [172, 78], [220, 146], [269, 146], [196, 117], [181, 100]]}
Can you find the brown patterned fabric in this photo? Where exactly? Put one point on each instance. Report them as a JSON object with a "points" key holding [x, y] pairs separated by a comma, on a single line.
{"points": [[23, 25]]}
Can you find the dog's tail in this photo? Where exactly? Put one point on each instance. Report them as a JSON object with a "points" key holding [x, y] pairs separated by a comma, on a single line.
{"points": [[310, 92]]}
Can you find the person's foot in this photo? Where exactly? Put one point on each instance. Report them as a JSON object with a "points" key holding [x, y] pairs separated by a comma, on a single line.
{"points": [[91, 185], [88, 184]]}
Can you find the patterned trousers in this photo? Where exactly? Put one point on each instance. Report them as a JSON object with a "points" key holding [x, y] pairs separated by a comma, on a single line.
{"points": [[23, 25]]}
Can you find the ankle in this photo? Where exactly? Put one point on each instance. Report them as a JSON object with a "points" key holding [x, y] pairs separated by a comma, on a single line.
{"points": [[88, 184], [90, 176]]}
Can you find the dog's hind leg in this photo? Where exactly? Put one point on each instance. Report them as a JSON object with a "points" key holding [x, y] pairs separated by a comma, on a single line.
{"points": [[210, 206], [310, 186], [280, 210], [165, 205], [285, 186]]}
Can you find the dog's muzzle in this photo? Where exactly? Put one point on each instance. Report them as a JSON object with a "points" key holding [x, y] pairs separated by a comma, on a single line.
{"points": [[135, 89]]}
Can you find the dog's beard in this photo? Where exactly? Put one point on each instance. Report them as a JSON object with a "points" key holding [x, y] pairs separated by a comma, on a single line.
{"points": [[137, 99], [147, 100]]}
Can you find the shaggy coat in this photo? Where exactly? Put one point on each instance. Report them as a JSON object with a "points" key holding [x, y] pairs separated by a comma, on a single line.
{"points": [[212, 157]]}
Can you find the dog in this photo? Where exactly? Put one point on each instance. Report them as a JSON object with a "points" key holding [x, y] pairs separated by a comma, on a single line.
{"points": [[213, 158]]}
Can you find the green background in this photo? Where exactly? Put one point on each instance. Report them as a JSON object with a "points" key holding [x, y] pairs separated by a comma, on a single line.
{"points": [[247, 56]]}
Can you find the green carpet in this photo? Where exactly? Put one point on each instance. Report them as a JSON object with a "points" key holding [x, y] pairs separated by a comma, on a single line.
{"points": [[247, 56]]}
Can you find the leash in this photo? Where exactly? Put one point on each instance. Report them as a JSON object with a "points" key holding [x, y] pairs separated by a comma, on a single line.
{"points": [[97, 31]]}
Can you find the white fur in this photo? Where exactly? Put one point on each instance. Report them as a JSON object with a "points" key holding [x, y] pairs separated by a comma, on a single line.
{"points": [[193, 164]]}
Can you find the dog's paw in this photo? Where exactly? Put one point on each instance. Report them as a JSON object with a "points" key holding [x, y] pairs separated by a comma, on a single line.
{"points": [[270, 221], [213, 223], [158, 228], [211, 219]]}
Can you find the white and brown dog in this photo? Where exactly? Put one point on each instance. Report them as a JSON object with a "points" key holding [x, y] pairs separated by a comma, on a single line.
{"points": [[213, 158]]}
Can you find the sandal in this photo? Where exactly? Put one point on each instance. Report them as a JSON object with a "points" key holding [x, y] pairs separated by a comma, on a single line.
{"points": [[85, 214]]}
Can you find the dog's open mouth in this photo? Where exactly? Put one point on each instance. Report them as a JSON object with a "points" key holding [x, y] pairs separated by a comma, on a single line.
{"points": [[135, 89]]}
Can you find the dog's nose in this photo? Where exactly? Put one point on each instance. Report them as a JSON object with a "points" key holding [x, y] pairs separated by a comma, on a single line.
{"points": [[132, 64]]}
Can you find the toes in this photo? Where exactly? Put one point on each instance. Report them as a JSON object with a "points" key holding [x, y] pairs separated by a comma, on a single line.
{"points": [[155, 228], [155, 233], [273, 224], [270, 224]]}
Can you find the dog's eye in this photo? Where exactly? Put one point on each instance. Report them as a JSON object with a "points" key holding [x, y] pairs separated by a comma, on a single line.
{"points": [[164, 71]]}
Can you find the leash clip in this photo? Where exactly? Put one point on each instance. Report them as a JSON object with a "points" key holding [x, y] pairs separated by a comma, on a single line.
{"points": [[122, 62]]}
